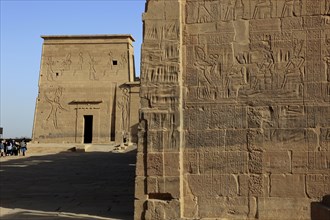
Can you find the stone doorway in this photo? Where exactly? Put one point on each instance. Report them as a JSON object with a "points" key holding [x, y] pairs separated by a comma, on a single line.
{"points": [[88, 129]]}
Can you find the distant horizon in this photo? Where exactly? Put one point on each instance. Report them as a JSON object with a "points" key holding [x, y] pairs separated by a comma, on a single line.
{"points": [[23, 23]]}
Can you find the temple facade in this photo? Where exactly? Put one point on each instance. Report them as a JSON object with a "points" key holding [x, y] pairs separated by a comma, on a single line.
{"points": [[88, 91]]}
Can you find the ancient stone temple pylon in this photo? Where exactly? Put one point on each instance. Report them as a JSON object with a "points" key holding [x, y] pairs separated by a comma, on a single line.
{"points": [[88, 92]]}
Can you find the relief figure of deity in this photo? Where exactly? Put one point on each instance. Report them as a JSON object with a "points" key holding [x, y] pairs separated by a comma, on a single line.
{"points": [[327, 62], [291, 8], [263, 9], [124, 106], [327, 7], [235, 10], [66, 62], [56, 105], [295, 67], [92, 70], [50, 71], [209, 74], [204, 16], [81, 61], [236, 78]]}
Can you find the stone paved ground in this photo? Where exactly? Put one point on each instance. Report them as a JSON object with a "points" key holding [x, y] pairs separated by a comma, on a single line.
{"points": [[70, 185]]}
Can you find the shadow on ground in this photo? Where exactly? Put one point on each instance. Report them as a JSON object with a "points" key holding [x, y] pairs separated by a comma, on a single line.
{"points": [[69, 186]]}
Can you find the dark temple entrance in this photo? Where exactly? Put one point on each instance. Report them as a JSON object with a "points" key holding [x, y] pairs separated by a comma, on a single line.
{"points": [[88, 129]]}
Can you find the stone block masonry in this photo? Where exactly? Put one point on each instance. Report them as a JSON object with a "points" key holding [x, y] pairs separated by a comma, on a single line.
{"points": [[235, 117]]}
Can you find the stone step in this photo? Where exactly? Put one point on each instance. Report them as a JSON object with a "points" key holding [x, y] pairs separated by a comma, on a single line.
{"points": [[37, 148], [99, 147], [57, 148]]}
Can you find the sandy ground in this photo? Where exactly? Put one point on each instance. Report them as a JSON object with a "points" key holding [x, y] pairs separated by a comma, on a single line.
{"points": [[67, 185]]}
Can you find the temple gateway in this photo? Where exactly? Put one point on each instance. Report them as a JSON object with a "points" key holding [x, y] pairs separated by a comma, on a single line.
{"points": [[88, 91]]}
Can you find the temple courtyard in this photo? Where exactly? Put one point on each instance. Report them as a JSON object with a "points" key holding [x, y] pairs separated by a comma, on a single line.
{"points": [[68, 185]]}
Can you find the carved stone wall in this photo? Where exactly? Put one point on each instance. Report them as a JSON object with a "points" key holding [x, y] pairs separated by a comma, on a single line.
{"points": [[236, 109], [80, 76], [158, 175]]}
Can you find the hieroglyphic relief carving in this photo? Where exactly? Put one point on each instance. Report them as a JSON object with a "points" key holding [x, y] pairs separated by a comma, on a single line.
{"points": [[294, 68], [167, 96], [230, 11], [161, 73], [263, 9], [327, 7], [57, 66], [160, 66], [123, 105], [207, 67], [234, 10], [164, 123], [275, 54], [160, 56], [92, 71], [260, 117], [54, 99], [160, 100], [255, 104], [123, 60], [202, 12], [80, 64], [86, 65], [110, 60], [272, 64], [313, 7], [81, 60], [158, 32], [66, 63], [292, 8], [50, 72], [212, 11], [326, 59]]}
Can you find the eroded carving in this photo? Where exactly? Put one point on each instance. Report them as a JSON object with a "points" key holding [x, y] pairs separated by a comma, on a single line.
{"points": [[123, 105], [50, 72], [92, 70], [292, 8], [54, 99], [263, 9]]}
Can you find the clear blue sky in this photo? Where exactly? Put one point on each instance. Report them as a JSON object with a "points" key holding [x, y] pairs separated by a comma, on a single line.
{"points": [[22, 23]]}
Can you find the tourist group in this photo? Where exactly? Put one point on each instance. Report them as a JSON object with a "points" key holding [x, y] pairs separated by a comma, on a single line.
{"points": [[11, 147]]}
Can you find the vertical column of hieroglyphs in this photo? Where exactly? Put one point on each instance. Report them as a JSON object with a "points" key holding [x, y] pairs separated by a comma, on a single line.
{"points": [[256, 76], [158, 162]]}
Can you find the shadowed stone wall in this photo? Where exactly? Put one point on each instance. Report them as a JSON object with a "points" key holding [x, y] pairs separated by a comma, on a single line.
{"points": [[235, 118]]}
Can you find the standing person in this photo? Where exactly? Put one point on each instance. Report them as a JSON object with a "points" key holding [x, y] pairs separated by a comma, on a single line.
{"points": [[2, 148], [9, 148], [15, 148], [23, 146], [5, 143]]}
